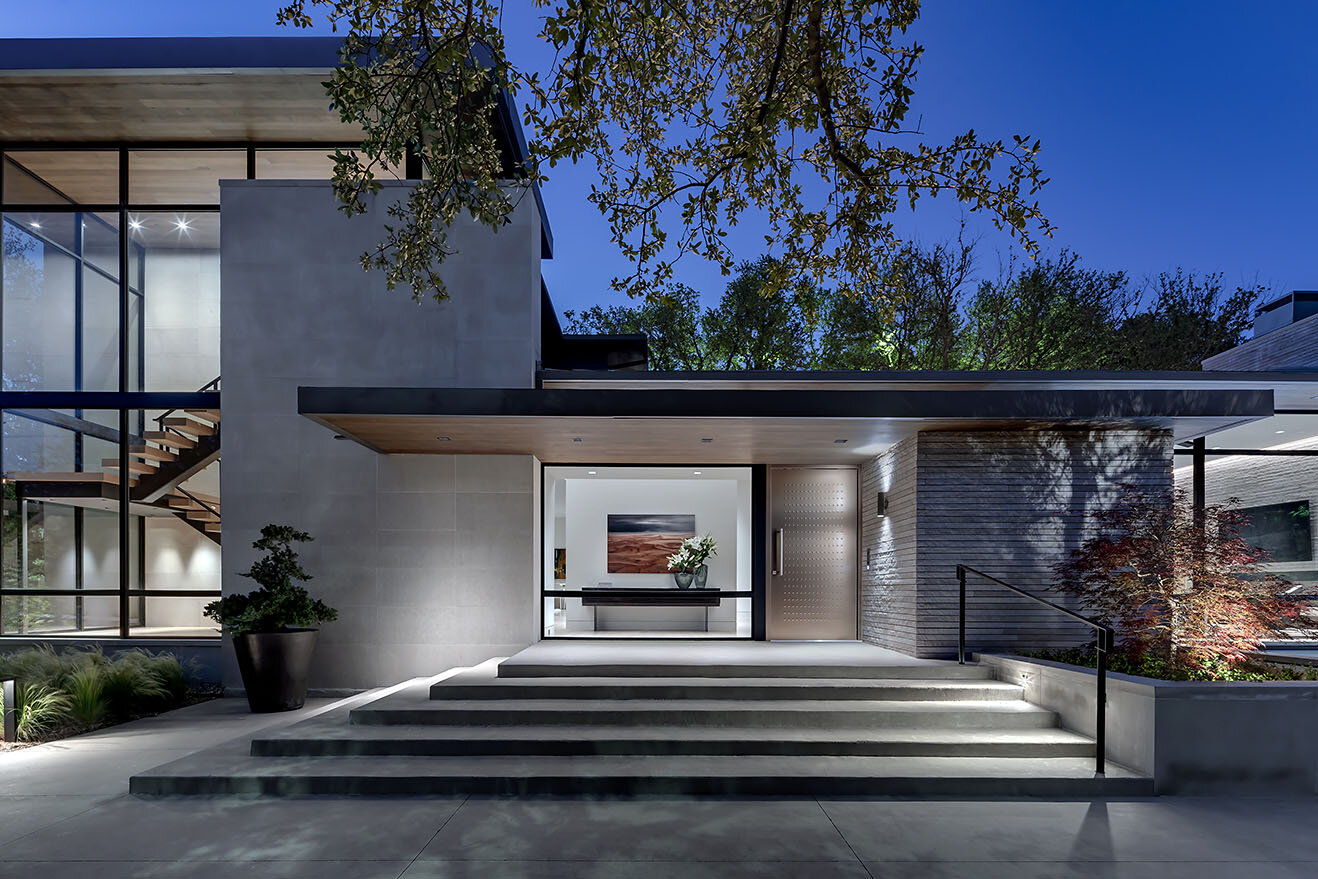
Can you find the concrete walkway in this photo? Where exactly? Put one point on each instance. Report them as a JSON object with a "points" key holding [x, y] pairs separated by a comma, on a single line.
{"points": [[65, 812]]}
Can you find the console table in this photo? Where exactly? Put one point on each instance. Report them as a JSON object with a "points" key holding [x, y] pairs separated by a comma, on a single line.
{"points": [[596, 597]]}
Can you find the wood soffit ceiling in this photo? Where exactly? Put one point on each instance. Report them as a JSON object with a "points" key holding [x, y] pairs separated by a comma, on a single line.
{"points": [[583, 440], [270, 105]]}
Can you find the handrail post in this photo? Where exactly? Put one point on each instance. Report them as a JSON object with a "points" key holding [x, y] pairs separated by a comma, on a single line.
{"points": [[961, 640], [1100, 730]]}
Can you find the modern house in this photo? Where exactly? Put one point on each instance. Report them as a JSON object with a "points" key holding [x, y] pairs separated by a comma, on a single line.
{"points": [[191, 350]]}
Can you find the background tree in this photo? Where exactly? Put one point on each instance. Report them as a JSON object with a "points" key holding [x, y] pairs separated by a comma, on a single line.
{"points": [[671, 321], [1189, 320], [1053, 314], [697, 117], [1185, 593], [764, 320]]}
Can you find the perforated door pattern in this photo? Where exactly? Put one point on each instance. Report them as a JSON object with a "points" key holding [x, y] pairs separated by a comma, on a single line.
{"points": [[814, 592]]}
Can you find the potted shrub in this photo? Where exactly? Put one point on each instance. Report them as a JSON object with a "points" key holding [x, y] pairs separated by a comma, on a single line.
{"points": [[273, 627]]}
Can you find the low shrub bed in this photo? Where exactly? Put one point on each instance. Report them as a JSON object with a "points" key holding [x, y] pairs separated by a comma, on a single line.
{"points": [[1151, 666], [66, 693]]}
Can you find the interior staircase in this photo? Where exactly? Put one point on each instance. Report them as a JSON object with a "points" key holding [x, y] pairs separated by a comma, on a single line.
{"points": [[918, 729], [160, 463]]}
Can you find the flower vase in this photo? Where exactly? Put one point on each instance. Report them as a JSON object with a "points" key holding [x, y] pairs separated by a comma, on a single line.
{"points": [[683, 579], [702, 574]]}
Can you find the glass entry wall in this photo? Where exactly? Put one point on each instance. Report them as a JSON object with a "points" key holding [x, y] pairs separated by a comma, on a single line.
{"points": [[1268, 472], [609, 532]]}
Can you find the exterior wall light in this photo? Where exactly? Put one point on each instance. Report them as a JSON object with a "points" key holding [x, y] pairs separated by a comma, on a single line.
{"points": [[881, 504]]}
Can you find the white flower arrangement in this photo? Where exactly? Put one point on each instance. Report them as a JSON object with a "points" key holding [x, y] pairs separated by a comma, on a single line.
{"points": [[692, 553]]}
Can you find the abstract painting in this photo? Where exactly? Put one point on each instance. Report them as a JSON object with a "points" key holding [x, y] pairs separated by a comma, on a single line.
{"points": [[641, 544]]}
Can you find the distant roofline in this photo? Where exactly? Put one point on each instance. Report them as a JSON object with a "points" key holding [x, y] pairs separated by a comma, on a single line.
{"points": [[934, 376]]}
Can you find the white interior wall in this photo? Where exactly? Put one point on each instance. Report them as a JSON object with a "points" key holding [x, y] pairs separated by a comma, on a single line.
{"points": [[721, 507], [182, 318]]}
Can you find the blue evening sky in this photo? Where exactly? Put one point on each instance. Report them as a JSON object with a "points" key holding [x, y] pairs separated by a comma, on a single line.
{"points": [[1175, 133]]}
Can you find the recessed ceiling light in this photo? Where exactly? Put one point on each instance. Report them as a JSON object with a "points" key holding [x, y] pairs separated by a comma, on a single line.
{"points": [[182, 225], [695, 472], [840, 441], [135, 225], [34, 224], [590, 472], [444, 439], [1279, 431], [706, 439]]}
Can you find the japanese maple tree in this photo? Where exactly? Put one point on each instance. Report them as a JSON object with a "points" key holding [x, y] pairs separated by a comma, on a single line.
{"points": [[1185, 587]]}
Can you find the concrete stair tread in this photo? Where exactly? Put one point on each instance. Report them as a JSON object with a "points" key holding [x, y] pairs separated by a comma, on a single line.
{"points": [[402, 732], [729, 684], [230, 773], [911, 706]]}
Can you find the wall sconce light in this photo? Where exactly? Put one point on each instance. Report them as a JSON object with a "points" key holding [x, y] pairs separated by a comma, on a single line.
{"points": [[881, 504]]}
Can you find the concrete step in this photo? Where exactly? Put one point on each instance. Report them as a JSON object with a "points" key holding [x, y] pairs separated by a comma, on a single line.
{"points": [[343, 740], [219, 774], [476, 686], [776, 713], [928, 671]]}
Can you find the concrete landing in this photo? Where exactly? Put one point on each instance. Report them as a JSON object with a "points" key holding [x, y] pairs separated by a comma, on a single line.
{"points": [[725, 659]]}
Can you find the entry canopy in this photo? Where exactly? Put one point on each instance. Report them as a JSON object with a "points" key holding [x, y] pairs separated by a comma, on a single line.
{"points": [[744, 418]]}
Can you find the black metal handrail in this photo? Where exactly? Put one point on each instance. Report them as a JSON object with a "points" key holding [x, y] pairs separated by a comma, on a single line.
{"points": [[196, 500], [212, 385], [1106, 636]]}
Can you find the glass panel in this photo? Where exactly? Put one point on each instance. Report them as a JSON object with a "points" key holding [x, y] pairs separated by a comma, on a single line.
{"points": [[61, 528], [61, 177], [60, 309], [175, 264], [610, 530], [182, 176], [178, 546]]}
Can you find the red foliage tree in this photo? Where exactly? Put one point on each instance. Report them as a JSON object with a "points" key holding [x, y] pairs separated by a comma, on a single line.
{"points": [[1173, 587]]}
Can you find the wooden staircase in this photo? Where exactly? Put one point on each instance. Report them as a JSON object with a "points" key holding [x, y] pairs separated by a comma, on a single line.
{"points": [[159, 466]]}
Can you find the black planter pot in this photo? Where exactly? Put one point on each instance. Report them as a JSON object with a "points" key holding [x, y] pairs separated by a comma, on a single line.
{"points": [[275, 667]]}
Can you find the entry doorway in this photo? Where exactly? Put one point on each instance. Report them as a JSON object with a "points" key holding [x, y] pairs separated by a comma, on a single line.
{"points": [[813, 584]]}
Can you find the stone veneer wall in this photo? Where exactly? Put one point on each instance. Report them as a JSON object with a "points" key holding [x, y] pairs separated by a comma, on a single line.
{"points": [[430, 559], [888, 544], [1010, 503]]}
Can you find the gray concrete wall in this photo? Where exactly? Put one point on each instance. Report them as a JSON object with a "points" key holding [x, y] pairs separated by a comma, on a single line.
{"points": [[429, 559], [1292, 347], [1012, 504], [1191, 737]]}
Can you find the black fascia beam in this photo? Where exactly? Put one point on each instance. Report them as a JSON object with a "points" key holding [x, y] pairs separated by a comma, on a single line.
{"points": [[109, 400], [740, 403]]}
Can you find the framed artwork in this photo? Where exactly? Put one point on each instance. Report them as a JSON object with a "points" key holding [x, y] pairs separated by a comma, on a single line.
{"points": [[642, 543], [560, 564]]}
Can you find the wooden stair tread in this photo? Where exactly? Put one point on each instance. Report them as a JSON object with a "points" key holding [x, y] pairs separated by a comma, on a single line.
{"points": [[192, 426], [208, 498], [152, 453], [182, 503], [212, 415], [212, 527], [133, 466], [201, 516], [165, 438]]}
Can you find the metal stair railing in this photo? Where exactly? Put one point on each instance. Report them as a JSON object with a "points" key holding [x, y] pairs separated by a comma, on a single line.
{"points": [[212, 385], [1106, 636]]}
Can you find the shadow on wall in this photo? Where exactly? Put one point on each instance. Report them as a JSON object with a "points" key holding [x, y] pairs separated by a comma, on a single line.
{"points": [[1014, 504]]}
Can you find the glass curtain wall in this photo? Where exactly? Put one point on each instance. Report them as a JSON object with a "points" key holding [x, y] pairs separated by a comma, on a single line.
{"points": [[111, 284], [1268, 470], [609, 532]]}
